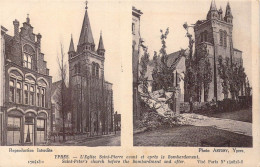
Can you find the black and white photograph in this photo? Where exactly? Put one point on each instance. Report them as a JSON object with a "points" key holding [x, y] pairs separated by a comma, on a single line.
{"points": [[60, 68], [192, 81]]}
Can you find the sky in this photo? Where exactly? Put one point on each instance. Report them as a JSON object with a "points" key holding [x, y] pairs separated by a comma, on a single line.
{"points": [[57, 20], [173, 14]]}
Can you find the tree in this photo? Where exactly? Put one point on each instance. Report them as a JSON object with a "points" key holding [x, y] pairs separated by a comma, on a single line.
{"points": [[63, 93], [207, 77], [203, 70], [163, 72], [233, 77], [190, 73], [248, 88], [223, 70], [143, 79], [155, 82]]}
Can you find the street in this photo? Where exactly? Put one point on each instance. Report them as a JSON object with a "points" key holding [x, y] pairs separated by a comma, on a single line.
{"points": [[83, 140], [234, 126], [188, 136]]}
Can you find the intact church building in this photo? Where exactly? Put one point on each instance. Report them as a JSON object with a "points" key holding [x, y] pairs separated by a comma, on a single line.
{"points": [[25, 87], [92, 96]]}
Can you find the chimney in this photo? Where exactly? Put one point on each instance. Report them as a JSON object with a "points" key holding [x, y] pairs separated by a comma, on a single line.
{"points": [[16, 28], [39, 37]]}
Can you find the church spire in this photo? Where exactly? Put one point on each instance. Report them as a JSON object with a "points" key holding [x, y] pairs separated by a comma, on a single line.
{"points": [[71, 48], [101, 48], [213, 12], [86, 40], [71, 51], [228, 15], [213, 6]]}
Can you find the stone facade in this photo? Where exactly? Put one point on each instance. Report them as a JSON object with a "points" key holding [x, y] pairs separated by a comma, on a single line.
{"points": [[27, 105], [92, 96], [215, 33], [136, 42]]}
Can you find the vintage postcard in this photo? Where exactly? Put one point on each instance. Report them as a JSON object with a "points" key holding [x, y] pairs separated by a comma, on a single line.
{"points": [[129, 83]]}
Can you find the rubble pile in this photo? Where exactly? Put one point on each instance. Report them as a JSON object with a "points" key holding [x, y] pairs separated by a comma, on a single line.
{"points": [[152, 120], [190, 118], [156, 112], [157, 100]]}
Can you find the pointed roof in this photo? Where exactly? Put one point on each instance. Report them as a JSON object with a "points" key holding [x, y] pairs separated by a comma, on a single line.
{"points": [[71, 48], [86, 33], [228, 6], [100, 44], [228, 10], [220, 10], [213, 5]]}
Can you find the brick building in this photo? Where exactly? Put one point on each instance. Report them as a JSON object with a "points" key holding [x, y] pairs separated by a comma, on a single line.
{"points": [[92, 96], [25, 110]]}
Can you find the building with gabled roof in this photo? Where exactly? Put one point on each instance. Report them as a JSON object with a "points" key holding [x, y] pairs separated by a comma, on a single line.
{"points": [[27, 87]]}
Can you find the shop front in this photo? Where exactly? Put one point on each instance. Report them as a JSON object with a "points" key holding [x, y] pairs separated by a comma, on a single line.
{"points": [[26, 128]]}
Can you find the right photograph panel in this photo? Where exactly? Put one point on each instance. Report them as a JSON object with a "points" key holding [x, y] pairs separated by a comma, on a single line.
{"points": [[192, 78]]}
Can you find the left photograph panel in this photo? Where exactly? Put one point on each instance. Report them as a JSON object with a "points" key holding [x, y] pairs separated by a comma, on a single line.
{"points": [[59, 71]]}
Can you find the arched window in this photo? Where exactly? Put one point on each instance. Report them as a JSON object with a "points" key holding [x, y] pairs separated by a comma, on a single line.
{"points": [[27, 61], [41, 127], [11, 89], [93, 68], [43, 97], [28, 56], [26, 94], [201, 37], [32, 95], [205, 36], [76, 68], [38, 97], [97, 70], [18, 92], [220, 37], [225, 38], [13, 130]]}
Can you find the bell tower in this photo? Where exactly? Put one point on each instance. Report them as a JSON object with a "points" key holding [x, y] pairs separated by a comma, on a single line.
{"points": [[215, 33]]}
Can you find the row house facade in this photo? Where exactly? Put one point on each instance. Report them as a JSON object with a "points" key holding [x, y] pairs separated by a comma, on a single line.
{"points": [[26, 88]]}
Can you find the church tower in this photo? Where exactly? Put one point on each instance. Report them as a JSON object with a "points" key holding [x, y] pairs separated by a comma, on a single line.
{"points": [[86, 79], [215, 33]]}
